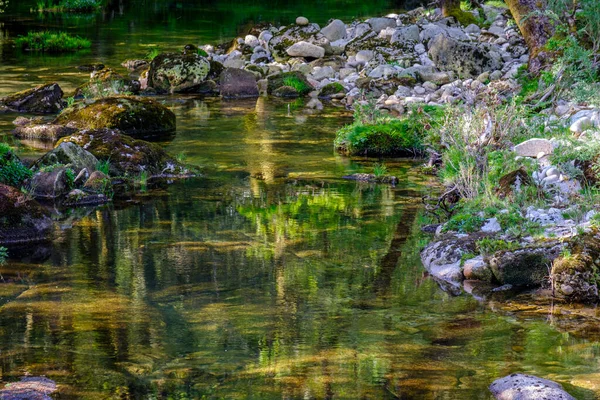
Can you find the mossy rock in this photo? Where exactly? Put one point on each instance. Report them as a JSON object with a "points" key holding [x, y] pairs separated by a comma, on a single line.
{"points": [[332, 89], [216, 69], [127, 156], [292, 34], [293, 79], [70, 155], [22, 220], [137, 117], [107, 82], [43, 99], [178, 73]]}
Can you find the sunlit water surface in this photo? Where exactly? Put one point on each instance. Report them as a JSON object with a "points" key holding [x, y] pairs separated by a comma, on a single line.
{"points": [[269, 277]]}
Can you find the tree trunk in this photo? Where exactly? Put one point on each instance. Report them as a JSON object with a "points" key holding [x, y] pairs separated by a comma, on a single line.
{"points": [[451, 8], [536, 28]]}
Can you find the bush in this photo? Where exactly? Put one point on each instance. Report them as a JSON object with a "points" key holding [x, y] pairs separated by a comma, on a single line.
{"points": [[464, 223], [52, 42], [12, 171]]}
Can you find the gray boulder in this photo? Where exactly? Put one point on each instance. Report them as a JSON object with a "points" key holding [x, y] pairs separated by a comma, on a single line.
{"points": [[442, 258], [50, 184], [527, 387], [282, 41], [238, 83], [406, 37], [305, 49], [466, 59], [335, 31], [70, 155], [533, 147], [379, 24]]}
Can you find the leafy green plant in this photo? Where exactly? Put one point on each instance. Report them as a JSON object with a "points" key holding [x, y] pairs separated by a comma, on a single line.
{"points": [[103, 166], [52, 42], [464, 223], [70, 101], [152, 53], [3, 255], [380, 170], [70, 177], [12, 171], [80, 6], [181, 157]]}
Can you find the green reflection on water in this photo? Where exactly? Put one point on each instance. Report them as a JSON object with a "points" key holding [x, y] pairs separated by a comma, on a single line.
{"points": [[267, 278]]}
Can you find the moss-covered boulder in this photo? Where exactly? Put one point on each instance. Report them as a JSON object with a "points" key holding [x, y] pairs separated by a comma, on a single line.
{"points": [[137, 117], [331, 90], [527, 266], [576, 272], [466, 59], [177, 73], [294, 79], [51, 182], [22, 220], [44, 99], [127, 156], [107, 82]]}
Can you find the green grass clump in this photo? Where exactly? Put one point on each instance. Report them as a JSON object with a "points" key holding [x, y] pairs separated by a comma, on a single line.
{"points": [[152, 53], [376, 135], [488, 246], [52, 42], [301, 87], [12, 171], [80, 6]]}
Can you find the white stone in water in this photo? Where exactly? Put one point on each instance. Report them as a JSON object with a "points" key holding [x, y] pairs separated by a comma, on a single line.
{"points": [[302, 21], [527, 387]]}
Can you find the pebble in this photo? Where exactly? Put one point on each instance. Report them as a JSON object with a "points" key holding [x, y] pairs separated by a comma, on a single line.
{"points": [[302, 21]]}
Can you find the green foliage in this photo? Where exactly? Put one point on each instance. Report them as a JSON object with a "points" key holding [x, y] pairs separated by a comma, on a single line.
{"points": [[80, 6], [152, 53], [70, 177], [464, 223], [202, 53], [70, 101], [103, 166], [487, 246], [380, 170], [3, 5], [12, 171], [301, 87], [52, 42]]}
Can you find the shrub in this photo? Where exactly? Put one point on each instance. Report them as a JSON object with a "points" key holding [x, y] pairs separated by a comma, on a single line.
{"points": [[12, 171], [52, 42], [81, 6]]}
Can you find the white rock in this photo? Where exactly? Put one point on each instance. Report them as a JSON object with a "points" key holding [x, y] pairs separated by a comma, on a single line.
{"points": [[420, 48], [419, 90], [336, 30], [379, 24], [320, 73], [581, 125], [302, 21], [532, 147], [251, 40], [491, 226], [364, 56], [305, 49]]}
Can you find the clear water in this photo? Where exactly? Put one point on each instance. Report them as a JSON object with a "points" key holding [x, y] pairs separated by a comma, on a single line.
{"points": [[269, 277]]}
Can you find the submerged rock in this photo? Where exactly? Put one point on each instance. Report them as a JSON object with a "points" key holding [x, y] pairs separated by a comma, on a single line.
{"points": [[137, 117], [527, 387], [127, 156], [44, 99], [178, 73], [29, 388], [107, 82], [22, 219], [31, 129], [443, 258]]}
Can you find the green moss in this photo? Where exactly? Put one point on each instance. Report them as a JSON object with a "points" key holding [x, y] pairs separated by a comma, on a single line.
{"points": [[292, 79], [331, 89], [52, 42]]}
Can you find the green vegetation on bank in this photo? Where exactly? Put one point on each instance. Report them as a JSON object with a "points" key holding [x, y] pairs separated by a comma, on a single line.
{"points": [[12, 171], [375, 134], [80, 6], [52, 42]]}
